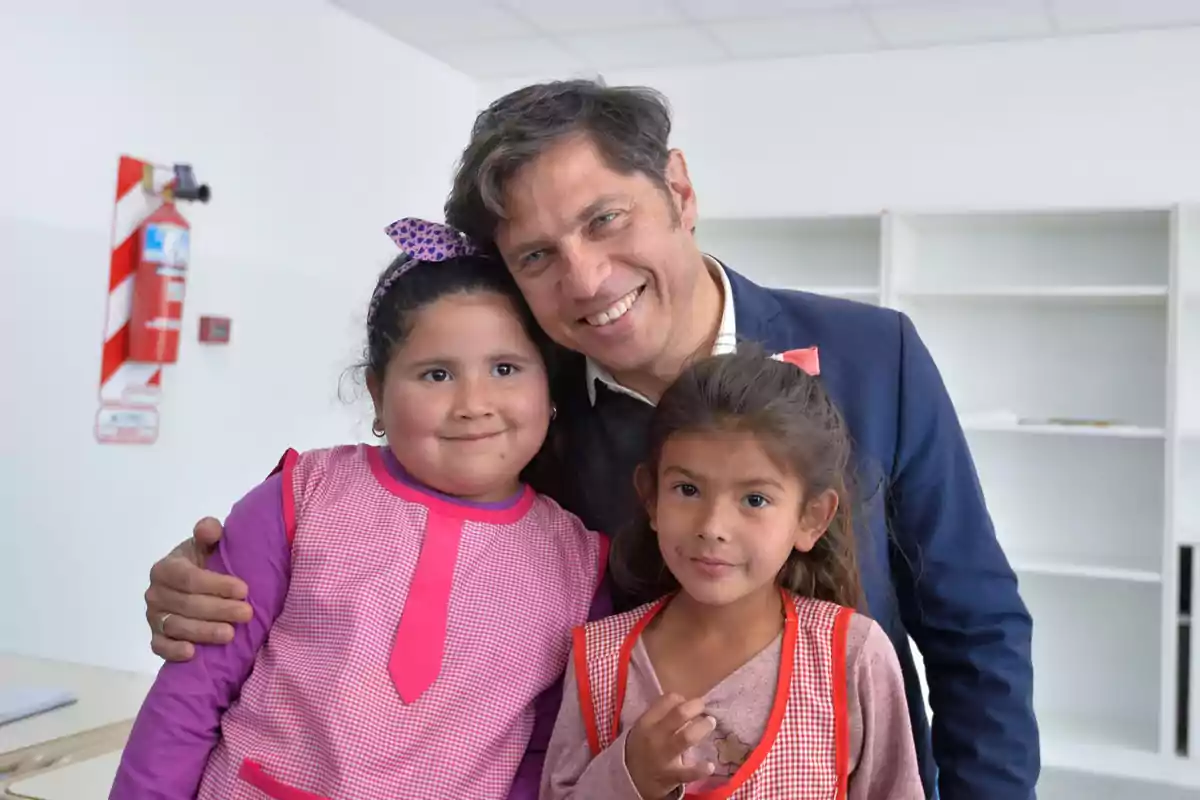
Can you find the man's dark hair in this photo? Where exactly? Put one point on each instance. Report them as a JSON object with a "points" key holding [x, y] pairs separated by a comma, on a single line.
{"points": [[628, 125]]}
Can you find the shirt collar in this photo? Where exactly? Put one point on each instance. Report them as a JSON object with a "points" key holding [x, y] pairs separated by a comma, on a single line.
{"points": [[726, 339]]}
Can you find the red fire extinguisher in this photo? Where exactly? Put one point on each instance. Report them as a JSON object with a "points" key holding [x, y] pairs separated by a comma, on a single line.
{"points": [[156, 317]]}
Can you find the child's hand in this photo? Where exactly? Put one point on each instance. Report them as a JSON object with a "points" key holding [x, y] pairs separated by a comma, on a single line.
{"points": [[657, 742]]}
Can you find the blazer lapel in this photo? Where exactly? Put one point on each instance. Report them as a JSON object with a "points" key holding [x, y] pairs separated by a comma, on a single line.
{"points": [[754, 309], [760, 318]]}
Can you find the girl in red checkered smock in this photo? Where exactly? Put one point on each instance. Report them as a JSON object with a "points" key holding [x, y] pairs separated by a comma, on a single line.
{"points": [[749, 675], [413, 604]]}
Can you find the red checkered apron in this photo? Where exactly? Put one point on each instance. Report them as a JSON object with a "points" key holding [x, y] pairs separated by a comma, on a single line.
{"points": [[804, 752], [320, 716]]}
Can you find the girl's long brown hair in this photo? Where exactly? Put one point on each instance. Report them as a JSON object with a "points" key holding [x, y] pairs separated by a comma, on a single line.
{"points": [[792, 416]]}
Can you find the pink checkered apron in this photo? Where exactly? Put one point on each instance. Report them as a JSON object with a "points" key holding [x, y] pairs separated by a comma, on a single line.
{"points": [[320, 716], [804, 752]]}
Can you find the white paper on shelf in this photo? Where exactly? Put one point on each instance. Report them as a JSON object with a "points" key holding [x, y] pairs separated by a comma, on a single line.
{"points": [[19, 702], [983, 419]]}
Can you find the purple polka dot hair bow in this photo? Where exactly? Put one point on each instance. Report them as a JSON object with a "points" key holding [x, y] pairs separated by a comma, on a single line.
{"points": [[429, 241], [421, 240]]}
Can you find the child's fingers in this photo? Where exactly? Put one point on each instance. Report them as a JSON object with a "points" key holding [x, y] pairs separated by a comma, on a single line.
{"points": [[691, 734], [677, 717], [659, 710]]}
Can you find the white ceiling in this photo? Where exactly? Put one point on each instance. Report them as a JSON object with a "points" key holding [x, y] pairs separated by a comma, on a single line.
{"points": [[492, 39]]}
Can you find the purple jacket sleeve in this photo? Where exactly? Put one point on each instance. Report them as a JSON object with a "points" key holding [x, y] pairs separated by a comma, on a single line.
{"points": [[529, 776], [179, 723]]}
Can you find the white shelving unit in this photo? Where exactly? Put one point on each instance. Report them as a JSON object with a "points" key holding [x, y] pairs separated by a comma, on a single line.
{"points": [[1187, 387], [1183, 495], [837, 256], [1070, 343]]}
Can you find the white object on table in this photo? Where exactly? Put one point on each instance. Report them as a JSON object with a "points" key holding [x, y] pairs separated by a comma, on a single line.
{"points": [[20, 702], [107, 702], [90, 779]]}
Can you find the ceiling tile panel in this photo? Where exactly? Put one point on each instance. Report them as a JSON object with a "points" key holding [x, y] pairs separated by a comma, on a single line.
{"points": [[724, 10], [955, 23], [1106, 15], [559, 16], [497, 39], [443, 21], [501, 58], [797, 35], [646, 47]]}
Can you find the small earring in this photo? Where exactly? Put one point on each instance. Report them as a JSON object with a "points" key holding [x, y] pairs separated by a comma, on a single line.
{"points": [[553, 412], [377, 428]]}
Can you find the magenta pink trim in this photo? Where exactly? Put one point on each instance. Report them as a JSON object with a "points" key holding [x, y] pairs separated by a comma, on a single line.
{"points": [[502, 516], [288, 466], [416, 659], [253, 773]]}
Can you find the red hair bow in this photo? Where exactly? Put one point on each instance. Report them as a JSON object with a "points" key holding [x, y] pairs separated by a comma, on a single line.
{"points": [[805, 358]]}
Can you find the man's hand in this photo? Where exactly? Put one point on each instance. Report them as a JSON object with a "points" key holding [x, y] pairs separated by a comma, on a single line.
{"points": [[657, 743], [186, 603]]}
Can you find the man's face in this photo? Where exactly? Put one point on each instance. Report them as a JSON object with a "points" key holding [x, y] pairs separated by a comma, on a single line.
{"points": [[606, 261]]}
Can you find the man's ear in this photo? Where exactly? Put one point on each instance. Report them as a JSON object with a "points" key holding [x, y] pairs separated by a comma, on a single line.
{"points": [[643, 481], [815, 519], [683, 195]]}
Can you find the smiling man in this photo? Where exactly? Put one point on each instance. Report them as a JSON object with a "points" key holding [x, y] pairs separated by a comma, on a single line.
{"points": [[594, 214]]}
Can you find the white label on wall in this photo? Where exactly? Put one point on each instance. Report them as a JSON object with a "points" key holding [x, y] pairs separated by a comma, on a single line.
{"points": [[126, 425]]}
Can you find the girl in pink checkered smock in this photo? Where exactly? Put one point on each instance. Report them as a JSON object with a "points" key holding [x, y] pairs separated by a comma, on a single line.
{"points": [[748, 676], [413, 604]]}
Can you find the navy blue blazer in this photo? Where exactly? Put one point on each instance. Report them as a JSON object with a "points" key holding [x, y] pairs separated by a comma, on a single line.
{"points": [[931, 566]]}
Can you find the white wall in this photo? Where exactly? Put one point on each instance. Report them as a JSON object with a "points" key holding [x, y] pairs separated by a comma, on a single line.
{"points": [[314, 131], [1092, 121]]}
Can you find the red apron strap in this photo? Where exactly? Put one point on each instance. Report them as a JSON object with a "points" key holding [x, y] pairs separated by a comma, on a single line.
{"points": [[587, 705], [602, 650], [841, 721]]}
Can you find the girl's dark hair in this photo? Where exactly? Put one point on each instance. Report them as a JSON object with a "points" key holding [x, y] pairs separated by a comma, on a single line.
{"points": [[391, 317], [794, 419]]}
